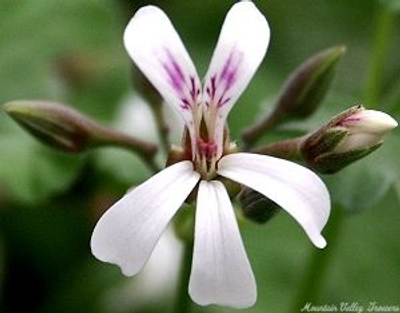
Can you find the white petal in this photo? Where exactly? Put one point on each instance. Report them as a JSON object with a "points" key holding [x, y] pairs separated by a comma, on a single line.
{"points": [[241, 46], [221, 272], [158, 51], [370, 121], [127, 233], [295, 188]]}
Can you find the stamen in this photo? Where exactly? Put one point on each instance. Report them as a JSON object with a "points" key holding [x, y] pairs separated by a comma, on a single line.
{"points": [[206, 158]]}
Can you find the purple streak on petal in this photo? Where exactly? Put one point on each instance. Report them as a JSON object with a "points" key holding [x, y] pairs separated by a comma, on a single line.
{"points": [[222, 101], [225, 79], [194, 90], [174, 72], [178, 80], [185, 104], [228, 71], [211, 89]]}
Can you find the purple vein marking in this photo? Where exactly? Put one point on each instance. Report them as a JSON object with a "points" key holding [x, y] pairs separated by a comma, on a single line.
{"points": [[185, 104], [230, 70], [178, 81], [224, 80], [194, 90], [211, 88], [174, 71]]}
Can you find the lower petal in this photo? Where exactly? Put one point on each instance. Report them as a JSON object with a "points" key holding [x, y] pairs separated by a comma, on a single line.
{"points": [[221, 272], [295, 188], [128, 232]]}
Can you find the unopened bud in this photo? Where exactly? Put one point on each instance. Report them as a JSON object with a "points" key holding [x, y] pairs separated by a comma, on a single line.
{"points": [[66, 129], [308, 84], [302, 93], [52, 123], [348, 137], [366, 128], [256, 207]]}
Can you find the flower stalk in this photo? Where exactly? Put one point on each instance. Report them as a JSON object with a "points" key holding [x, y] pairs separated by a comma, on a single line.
{"points": [[289, 149]]}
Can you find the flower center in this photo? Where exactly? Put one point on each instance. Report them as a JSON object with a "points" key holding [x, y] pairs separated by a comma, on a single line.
{"points": [[206, 158]]}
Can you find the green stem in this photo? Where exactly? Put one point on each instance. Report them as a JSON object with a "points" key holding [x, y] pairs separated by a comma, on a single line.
{"points": [[108, 137], [380, 46], [183, 303], [288, 149], [253, 133], [318, 264]]}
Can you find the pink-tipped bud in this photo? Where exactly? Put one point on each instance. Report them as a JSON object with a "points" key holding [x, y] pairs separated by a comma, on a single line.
{"points": [[348, 137], [366, 128]]}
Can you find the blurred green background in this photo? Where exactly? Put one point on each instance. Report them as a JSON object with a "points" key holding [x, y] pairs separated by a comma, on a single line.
{"points": [[72, 52]]}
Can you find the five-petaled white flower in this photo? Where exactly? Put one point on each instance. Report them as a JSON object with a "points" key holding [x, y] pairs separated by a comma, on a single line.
{"points": [[128, 232]]}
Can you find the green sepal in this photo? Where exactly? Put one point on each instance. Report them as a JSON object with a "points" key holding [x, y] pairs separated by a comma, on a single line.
{"points": [[333, 162], [321, 142]]}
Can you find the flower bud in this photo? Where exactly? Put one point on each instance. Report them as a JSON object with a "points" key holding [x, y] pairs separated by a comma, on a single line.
{"points": [[256, 207], [307, 85], [366, 128], [64, 128], [348, 137], [302, 93], [52, 123]]}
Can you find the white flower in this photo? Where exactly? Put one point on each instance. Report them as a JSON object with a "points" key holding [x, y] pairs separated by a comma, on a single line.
{"points": [[127, 233]]}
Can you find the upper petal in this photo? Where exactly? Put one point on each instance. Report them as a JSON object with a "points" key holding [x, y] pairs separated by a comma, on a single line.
{"points": [[221, 272], [241, 46], [154, 45], [295, 188], [127, 233]]}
